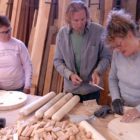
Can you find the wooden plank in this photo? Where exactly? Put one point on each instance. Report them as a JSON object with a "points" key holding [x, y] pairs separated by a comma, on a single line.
{"points": [[16, 16], [54, 81], [20, 19], [50, 39], [94, 10], [130, 6], [61, 11], [26, 20], [9, 8], [33, 7], [105, 97], [108, 6], [31, 38], [49, 71], [14, 13], [138, 12], [22, 24], [60, 84], [39, 39], [51, 35], [3, 6]]}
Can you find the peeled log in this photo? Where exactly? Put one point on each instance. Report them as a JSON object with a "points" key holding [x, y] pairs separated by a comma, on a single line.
{"points": [[66, 108], [39, 113], [48, 114], [36, 104]]}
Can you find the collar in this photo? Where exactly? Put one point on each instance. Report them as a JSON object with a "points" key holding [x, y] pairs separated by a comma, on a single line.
{"points": [[69, 29]]}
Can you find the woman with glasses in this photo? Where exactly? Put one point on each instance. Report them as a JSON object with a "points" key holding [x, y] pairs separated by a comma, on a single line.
{"points": [[15, 63], [124, 78], [81, 58]]}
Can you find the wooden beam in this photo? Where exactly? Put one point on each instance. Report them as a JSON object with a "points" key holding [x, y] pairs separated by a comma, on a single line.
{"points": [[3, 6], [39, 39], [49, 72]]}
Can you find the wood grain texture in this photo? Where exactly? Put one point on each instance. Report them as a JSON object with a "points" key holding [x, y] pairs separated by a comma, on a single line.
{"points": [[125, 131], [12, 99], [36, 104], [39, 39]]}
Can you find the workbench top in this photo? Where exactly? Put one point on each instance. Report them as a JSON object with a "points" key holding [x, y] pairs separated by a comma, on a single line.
{"points": [[86, 108]]}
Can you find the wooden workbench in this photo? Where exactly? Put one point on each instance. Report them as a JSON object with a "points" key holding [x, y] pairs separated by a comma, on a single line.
{"points": [[85, 109]]}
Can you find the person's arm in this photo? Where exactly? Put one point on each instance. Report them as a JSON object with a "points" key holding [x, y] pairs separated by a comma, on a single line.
{"points": [[59, 62], [27, 66], [104, 58], [117, 102], [113, 80]]}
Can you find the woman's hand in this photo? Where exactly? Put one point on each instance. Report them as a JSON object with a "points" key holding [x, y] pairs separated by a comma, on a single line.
{"points": [[76, 80], [130, 115]]}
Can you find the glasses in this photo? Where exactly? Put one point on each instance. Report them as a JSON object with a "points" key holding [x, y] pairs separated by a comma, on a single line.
{"points": [[6, 32]]}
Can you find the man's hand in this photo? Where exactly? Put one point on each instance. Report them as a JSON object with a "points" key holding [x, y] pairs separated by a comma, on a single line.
{"points": [[26, 90], [95, 78], [117, 105], [76, 80]]}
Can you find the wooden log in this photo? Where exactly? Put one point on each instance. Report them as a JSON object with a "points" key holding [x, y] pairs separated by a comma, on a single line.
{"points": [[49, 71], [57, 105], [36, 104], [95, 134], [39, 113], [3, 7], [44, 84], [66, 108]]}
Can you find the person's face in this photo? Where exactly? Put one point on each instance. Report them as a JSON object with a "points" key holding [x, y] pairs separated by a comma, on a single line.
{"points": [[127, 45], [5, 33], [78, 20]]}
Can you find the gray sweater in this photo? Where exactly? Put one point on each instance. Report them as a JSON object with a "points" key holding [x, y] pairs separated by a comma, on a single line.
{"points": [[94, 57], [124, 79]]}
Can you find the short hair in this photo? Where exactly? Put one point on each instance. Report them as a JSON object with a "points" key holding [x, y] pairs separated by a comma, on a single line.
{"points": [[119, 23], [4, 21], [73, 7]]}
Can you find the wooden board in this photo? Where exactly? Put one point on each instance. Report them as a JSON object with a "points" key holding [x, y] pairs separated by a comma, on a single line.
{"points": [[11, 99], [39, 39], [49, 71], [125, 131], [3, 6]]}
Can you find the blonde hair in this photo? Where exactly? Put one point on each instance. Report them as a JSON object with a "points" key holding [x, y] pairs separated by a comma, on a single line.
{"points": [[119, 23], [73, 7]]}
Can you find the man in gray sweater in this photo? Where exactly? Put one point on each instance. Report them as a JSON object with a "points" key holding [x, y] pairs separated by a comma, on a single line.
{"points": [[80, 56]]}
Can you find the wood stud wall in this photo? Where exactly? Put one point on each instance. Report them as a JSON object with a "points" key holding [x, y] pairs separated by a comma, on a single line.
{"points": [[36, 23]]}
